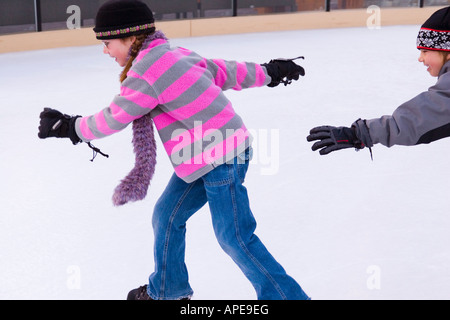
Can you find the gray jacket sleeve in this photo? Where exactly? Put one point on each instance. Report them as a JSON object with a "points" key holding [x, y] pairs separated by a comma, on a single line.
{"points": [[423, 119]]}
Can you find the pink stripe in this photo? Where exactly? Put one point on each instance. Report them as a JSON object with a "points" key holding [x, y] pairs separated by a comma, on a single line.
{"points": [[141, 99], [197, 133], [121, 115], [102, 125], [184, 170], [219, 151], [202, 102], [241, 73], [85, 131], [260, 77], [182, 84], [221, 76], [163, 64], [152, 44], [216, 153], [133, 74]]}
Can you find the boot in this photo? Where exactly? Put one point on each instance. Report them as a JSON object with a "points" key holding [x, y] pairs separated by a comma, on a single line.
{"points": [[139, 294]]}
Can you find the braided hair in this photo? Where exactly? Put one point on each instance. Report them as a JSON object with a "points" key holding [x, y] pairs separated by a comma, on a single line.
{"points": [[136, 46]]}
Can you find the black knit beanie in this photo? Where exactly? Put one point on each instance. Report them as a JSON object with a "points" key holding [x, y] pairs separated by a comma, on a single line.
{"points": [[435, 32], [123, 18]]}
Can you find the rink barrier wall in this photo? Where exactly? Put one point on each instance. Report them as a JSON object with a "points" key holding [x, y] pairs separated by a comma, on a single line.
{"points": [[226, 25]]}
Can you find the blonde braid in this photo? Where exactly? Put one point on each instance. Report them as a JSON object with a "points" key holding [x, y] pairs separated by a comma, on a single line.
{"points": [[135, 48]]}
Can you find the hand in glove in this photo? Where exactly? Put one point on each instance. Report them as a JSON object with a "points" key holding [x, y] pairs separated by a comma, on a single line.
{"points": [[334, 138], [55, 124], [283, 71]]}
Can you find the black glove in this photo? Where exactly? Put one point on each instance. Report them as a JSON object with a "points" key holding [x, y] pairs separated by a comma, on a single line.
{"points": [[283, 71], [334, 138], [55, 124]]}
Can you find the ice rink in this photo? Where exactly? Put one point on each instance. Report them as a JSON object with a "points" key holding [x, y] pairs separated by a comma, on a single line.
{"points": [[344, 226]]}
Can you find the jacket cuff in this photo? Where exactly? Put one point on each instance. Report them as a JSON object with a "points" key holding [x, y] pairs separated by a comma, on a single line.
{"points": [[72, 130], [362, 132]]}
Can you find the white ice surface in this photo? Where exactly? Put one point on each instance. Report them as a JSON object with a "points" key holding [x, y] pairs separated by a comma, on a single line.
{"points": [[344, 226]]}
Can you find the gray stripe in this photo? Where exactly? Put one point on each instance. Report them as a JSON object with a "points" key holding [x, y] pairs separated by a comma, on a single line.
{"points": [[212, 67], [250, 77], [78, 130], [93, 127], [113, 123], [157, 111], [140, 85], [200, 173], [176, 71], [130, 107], [148, 60], [207, 113], [215, 137], [231, 75], [192, 93], [268, 78]]}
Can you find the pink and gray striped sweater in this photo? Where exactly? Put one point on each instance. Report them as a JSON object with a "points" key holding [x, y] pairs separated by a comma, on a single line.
{"points": [[184, 94]]}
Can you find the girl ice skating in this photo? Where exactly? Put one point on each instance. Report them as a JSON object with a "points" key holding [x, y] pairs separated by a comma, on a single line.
{"points": [[176, 89]]}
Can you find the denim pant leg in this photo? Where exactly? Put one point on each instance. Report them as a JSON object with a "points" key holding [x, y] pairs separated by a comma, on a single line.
{"points": [[176, 205], [234, 226]]}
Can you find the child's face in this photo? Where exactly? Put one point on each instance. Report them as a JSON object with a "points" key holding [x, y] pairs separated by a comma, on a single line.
{"points": [[118, 49], [433, 60]]}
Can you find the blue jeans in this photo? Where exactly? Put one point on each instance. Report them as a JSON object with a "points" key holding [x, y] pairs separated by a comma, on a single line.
{"points": [[234, 227]]}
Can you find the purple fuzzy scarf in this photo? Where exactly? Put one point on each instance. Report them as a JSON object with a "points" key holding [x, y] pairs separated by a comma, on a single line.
{"points": [[135, 185]]}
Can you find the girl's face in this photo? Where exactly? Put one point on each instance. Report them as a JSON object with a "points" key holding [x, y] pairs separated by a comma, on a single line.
{"points": [[433, 60], [118, 49]]}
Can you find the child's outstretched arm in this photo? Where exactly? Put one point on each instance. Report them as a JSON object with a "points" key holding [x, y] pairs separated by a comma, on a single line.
{"points": [[136, 99], [423, 119], [242, 75]]}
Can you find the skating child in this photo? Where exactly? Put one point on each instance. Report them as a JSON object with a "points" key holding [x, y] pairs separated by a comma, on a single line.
{"points": [[423, 119], [207, 143]]}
